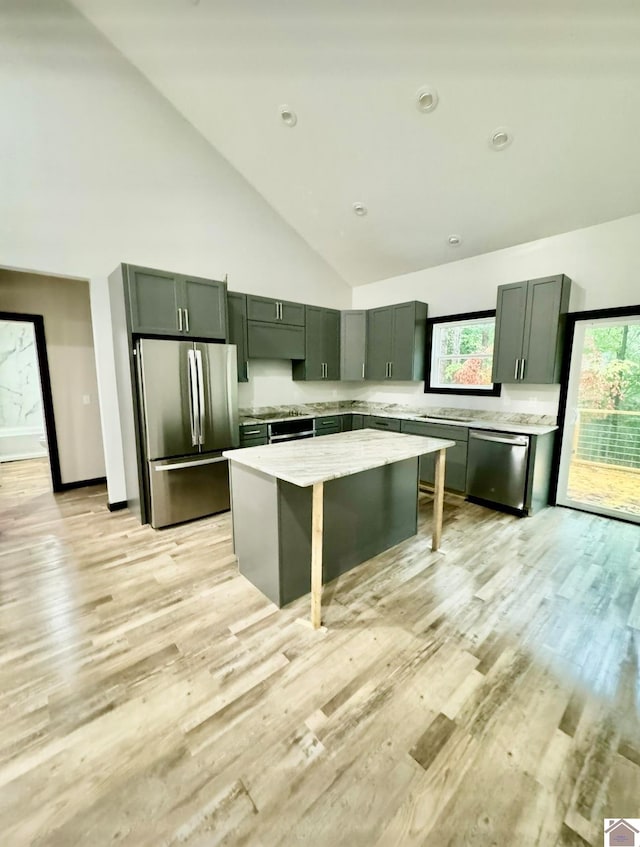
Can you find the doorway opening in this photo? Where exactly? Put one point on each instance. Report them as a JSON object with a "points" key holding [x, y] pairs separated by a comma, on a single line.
{"points": [[28, 442], [600, 453]]}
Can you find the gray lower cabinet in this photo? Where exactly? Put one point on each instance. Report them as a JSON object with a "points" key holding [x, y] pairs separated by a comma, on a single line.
{"points": [[353, 345], [357, 421], [253, 435], [530, 319], [237, 314], [164, 303], [322, 345], [455, 469], [328, 425], [395, 342], [364, 514], [377, 422]]}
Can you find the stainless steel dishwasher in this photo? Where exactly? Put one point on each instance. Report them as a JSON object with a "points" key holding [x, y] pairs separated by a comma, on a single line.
{"points": [[497, 467]]}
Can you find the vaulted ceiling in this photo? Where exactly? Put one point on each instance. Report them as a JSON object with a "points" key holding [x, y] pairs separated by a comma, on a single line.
{"points": [[562, 76]]}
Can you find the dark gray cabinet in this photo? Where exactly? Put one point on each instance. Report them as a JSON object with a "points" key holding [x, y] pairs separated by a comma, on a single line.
{"points": [[395, 342], [274, 311], [377, 422], [237, 312], [353, 345], [274, 341], [253, 435], [328, 425], [322, 345], [530, 319], [164, 303], [275, 329], [455, 469]]}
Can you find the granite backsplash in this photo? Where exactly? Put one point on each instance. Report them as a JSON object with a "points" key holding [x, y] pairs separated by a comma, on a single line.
{"points": [[365, 408]]}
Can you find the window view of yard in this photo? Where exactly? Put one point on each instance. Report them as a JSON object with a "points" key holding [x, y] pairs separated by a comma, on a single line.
{"points": [[462, 354], [605, 468]]}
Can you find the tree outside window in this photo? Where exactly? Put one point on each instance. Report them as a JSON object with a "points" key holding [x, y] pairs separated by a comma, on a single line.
{"points": [[461, 354]]}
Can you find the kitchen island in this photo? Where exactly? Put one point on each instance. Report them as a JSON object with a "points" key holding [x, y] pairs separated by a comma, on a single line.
{"points": [[326, 504]]}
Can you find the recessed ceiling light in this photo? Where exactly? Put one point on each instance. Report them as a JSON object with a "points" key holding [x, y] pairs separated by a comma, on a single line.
{"points": [[288, 116], [500, 138], [360, 209], [426, 99], [454, 240]]}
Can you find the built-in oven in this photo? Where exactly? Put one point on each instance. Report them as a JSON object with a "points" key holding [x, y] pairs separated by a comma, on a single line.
{"points": [[291, 430]]}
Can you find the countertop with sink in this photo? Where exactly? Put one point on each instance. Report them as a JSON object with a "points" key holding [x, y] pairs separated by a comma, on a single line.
{"points": [[478, 420]]}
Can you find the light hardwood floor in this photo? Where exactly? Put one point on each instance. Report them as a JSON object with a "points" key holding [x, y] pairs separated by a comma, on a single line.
{"points": [[486, 694]]}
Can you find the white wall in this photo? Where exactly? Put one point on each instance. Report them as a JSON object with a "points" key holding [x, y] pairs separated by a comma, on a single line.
{"points": [[64, 305], [270, 384], [98, 169], [602, 261]]}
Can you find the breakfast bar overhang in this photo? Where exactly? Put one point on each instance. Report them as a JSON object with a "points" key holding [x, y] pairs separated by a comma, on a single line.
{"points": [[306, 511]]}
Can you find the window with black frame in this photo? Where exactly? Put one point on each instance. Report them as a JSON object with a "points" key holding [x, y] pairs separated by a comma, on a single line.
{"points": [[459, 354]]}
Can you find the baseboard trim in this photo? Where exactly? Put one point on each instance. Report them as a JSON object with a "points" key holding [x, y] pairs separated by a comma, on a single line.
{"points": [[115, 507], [81, 483]]}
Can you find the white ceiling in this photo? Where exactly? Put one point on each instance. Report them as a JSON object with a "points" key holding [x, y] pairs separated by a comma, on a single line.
{"points": [[563, 75]]}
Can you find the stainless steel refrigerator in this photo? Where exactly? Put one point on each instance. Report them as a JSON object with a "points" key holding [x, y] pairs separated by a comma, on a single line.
{"points": [[188, 397]]}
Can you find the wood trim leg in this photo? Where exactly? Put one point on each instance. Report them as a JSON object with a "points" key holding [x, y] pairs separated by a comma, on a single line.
{"points": [[438, 500], [317, 517]]}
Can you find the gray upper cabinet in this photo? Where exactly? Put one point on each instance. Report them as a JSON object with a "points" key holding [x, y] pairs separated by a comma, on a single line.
{"points": [[275, 328], [322, 345], [274, 311], [530, 319], [353, 345], [395, 342], [205, 307], [163, 303], [237, 311], [153, 300]]}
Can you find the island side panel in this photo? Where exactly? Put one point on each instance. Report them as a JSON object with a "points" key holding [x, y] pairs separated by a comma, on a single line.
{"points": [[254, 512], [364, 514]]}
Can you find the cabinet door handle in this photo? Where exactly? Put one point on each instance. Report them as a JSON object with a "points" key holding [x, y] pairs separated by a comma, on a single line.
{"points": [[252, 432], [180, 320], [390, 369], [515, 373], [522, 361], [277, 310], [186, 320], [363, 370]]}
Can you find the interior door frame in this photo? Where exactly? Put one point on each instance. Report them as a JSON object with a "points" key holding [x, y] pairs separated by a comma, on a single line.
{"points": [[45, 384], [572, 319]]}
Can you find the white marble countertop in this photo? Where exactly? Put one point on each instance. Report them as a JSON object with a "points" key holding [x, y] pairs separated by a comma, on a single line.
{"points": [[311, 460], [468, 422]]}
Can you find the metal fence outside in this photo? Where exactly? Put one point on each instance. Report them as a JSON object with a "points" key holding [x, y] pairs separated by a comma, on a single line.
{"points": [[608, 437]]}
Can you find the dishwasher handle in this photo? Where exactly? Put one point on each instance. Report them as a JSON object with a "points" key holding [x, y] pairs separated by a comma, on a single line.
{"points": [[512, 440]]}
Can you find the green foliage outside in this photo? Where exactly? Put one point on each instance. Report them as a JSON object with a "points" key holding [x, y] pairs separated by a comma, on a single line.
{"points": [[460, 343], [610, 383], [610, 377]]}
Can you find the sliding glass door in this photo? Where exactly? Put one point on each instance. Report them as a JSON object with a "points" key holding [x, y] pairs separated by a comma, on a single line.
{"points": [[600, 458]]}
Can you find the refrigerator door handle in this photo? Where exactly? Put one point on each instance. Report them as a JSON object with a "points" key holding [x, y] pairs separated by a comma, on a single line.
{"points": [[201, 407], [193, 388]]}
